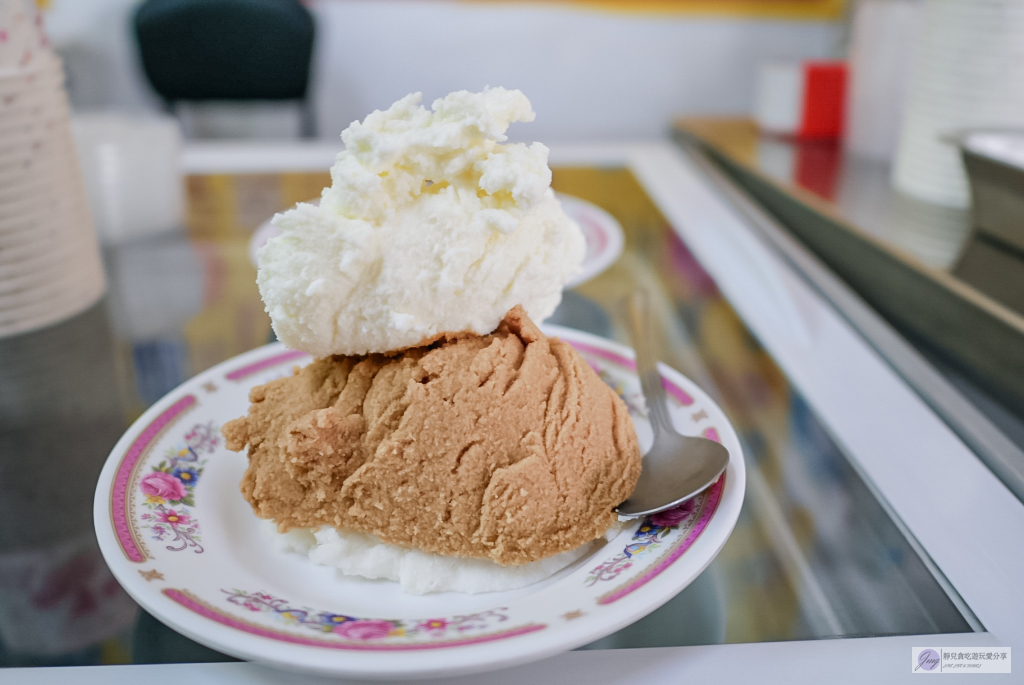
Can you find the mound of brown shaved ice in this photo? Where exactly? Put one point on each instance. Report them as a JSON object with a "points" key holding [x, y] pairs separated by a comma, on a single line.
{"points": [[505, 447]]}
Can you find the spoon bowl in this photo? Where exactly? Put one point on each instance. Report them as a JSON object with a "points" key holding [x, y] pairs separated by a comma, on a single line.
{"points": [[677, 467]]}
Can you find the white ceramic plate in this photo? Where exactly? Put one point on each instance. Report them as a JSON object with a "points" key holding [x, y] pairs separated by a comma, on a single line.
{"points": [[600, 229], [602, 232], [182, 541]]}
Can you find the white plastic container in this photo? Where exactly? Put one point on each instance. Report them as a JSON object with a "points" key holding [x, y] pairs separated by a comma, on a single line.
{"points": [[132, 170]]}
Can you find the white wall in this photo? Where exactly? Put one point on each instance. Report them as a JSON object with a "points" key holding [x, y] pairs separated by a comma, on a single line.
{"points": [[590, 73], [98, 46]]}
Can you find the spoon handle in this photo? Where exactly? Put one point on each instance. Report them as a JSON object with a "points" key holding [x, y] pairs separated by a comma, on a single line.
{"points": [[637, 310]]}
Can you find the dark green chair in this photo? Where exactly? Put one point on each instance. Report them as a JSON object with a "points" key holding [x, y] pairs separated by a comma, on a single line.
{"points": [[226, 49]]}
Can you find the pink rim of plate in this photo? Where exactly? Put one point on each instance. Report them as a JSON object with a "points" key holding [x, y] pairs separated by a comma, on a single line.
{"points": [[596, 227], [249, 370], [681, 395], [126, 469]]}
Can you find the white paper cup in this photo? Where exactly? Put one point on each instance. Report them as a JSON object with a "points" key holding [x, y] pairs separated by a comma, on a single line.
{"points": [[36, 191], [81, 296], [32, 292], [41, 234], [45, 94], [61, 277], [25, 44], [51, 203], [37, 288], [62, 211], [57, 170], [50, 267], [44, 75], [35, 233], [59, 177], [39, 167], [47, 278], [46, 64], [29, 258], [59, 197], [42, 142], [15, 127], [69, 218], [24, 155], [28, 123], [49, 78], [38, 113], [42, 285], [42, 79]]}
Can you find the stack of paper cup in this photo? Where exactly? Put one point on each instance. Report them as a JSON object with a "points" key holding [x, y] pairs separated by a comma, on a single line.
{"points": [[968, 72], [50, 265]]}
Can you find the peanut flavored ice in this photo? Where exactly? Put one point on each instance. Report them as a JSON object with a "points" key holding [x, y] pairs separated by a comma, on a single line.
{"points": [[430, 226], [440, 434]]}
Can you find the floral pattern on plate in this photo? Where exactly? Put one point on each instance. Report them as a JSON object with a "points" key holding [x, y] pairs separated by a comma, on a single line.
{"points": [[169, 489], [355, 628], [647, 537], [338, 631]]}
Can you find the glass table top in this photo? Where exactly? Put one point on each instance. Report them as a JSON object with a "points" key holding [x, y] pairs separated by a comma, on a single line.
{"points": [[814, 555]]}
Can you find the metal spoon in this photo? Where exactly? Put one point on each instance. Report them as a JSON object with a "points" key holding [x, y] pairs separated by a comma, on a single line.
{"points": [[676, 468]]}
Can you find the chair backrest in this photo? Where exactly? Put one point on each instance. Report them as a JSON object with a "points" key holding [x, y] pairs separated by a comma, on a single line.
{"points": [[226, 49]]}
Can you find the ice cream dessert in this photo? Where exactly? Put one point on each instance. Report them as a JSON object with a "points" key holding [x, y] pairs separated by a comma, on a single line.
{"points": [[430, 226], [439, 438]]}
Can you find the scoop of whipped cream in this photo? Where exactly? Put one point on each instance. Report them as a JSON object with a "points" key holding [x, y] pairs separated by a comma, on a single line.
{"points": [[430, 226]]}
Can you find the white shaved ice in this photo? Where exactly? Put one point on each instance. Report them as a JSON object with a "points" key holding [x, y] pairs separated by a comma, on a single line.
{"points": [[359, 554]]}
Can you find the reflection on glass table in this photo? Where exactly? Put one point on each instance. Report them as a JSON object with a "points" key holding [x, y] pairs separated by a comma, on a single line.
{"points": [[60, 413], [857, 189], [862, 191], [814, 554]]}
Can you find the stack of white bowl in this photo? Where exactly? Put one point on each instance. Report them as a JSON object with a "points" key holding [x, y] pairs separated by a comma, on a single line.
{"points": [[50, 266], [968, 73]]}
